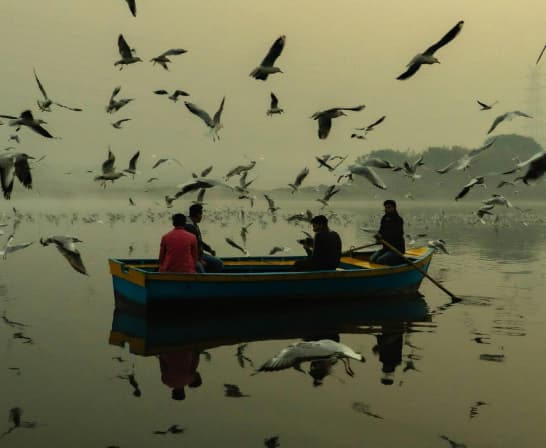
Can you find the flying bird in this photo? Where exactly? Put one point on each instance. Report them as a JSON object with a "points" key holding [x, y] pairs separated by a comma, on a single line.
{"points": [[108, 170], [161, 161], [507, 116], [26, 119], [484, 210], [132, 164], [114, 104], [427, 57], [117, 124], [9, 247], [376, 162], [438, 246], [267, 68], [325, 118], [497, 199], [14, 165], [371, 127], [66, 246], [236, 246], [480, 180], [485, 106], [213, 123], [540, 55], [163, 59], [331, 191], [132, 6], [45, 105], [537, 168], [464, 162], [369, 174], [174, 96], [274, 106], [126, 53], [299, 179]]}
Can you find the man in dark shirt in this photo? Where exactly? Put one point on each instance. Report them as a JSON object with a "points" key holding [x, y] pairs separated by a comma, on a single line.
{"points": [[326, 249], [392, 231], [206, 262]]}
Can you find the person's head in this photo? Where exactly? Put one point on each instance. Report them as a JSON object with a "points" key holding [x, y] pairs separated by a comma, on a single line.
{"points": [[319, 223], [390, 206], [178, 394], [179, 220], [196, 212]]}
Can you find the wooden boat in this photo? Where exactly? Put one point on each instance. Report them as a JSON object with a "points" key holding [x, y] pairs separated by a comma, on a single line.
{"points": [[138, 284]]}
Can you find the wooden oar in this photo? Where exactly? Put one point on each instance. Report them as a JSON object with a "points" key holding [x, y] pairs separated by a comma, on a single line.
{"points": [[354, 249], [454, 298]]}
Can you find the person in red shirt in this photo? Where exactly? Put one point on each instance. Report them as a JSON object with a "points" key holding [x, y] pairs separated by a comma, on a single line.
{"points": [[178, 250], [179, 369]]}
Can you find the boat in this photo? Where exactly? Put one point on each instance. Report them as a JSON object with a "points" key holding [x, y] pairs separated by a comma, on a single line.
{"points": [[138, 284]]}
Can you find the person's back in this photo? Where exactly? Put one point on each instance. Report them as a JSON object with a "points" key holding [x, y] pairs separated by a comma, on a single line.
{"points": [[178, 250], [327, 250]]}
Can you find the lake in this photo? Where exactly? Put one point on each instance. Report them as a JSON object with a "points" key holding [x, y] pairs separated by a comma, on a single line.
{"points": [[435, 374]]}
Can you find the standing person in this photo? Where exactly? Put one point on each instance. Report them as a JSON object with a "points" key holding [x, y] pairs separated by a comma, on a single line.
{"points": [[326, 250], [392, 231], [206, 262], [178, 250]]}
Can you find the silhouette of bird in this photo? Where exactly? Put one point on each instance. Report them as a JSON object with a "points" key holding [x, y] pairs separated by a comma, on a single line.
{"points": [[173, 429], [266, 67], [299, 179], [9, 247], [213, 123], [113, 104], [485, 106], [66, 246], [45, 105], [163, 59], [27, 119], [507, 116], [427, 57], [14, 165], [132, 164], [117, 124], [126, 53], [540, 55], [274, 106], [479, 180], [132, 6], [325, 118], [174, 96]]}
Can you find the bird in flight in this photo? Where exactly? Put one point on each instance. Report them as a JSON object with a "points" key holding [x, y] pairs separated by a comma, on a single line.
{"points": [[127, 53], [485, 106], [174, 96], [117, 124], [45, 105], [113, 104], [163, 59], [427, 57], [267, 68], [274, 106], [65, 245], [507, 116], [325, 118], [213, 123], [26, 119], [540, 55], [479, 180], [299, 179], [132, 6]]}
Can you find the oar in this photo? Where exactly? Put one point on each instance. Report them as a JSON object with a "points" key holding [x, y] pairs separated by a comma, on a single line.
{"points": [[354, 249], [454, 298]]}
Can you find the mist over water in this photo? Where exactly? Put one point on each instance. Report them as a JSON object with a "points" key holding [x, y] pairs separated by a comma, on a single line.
{"points": [[464, 371]]}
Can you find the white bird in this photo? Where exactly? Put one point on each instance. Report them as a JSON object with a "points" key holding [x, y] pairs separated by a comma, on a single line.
{"points": [[163, 59], [113, 104], [295, 354], [117, 124], [9, 247], [299, 179], [507, 116], [26, 119], [331, 191], [213, 123], [427, 57], [14, 165], [267, 68], [325, 118], [274, 106], [410, 169], [497, 199], [438, 246], [66, 246], [479, 180], [108, 170], [537, 168], [464, 162], [126, 53], [369, 174], [45, 105]]}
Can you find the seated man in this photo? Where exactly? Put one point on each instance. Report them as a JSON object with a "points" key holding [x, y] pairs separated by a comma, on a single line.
{"points": [[326, 249], [178, 250], [205, 262], [391, 230]]}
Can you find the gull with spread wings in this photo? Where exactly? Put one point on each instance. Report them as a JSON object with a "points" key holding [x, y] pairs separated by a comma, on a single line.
{"points": [[163, 59], [427, 57], [299, 179], [127, 53], [213, 123], [507, 116], [274, 106], [65, 245], [267, 68], [14, 165], [45, 105], [27, 119], [325, 118]]}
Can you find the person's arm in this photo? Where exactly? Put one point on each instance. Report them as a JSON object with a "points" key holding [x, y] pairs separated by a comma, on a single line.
{"points": [[208, 249], [162, 251]]}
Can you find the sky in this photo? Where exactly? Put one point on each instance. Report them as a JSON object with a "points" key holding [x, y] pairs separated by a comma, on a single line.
{"points": [[337, 54]]}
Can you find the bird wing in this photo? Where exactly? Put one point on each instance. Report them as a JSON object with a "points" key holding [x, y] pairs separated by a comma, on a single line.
{"points": [[274, 101], [40, 130], [8, 116], [132, 6], [446, 168], [485, 106], [375, 123], [15, 247], [324, 126], [496, 122], [462, 193], [540, 55], [235, 245], [200, 113], [173, 52], [75, 109], [218, 114], [354, 108], [161, 92], [369, 174], [412, 69], [73, 257], [448, 37], [274, 52], [201, 195], [521, 114], [301, 176], [178, 93], [476, 151], [7, 175], [40, 86], [206, 171], [159, 162], [123, 47], [22, 171], [108, 164], [133, 161]]}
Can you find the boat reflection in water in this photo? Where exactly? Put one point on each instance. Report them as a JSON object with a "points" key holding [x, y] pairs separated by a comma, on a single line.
{"points": [[178, 340]]}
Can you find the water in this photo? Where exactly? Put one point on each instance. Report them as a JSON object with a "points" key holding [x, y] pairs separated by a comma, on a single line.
{"points": [[470, 372]]}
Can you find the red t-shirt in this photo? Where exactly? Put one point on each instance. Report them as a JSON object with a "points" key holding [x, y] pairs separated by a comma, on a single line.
{"points": [[178, 251]]}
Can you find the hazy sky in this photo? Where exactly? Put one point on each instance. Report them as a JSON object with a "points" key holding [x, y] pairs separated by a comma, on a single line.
{"points": [[337, 54]]}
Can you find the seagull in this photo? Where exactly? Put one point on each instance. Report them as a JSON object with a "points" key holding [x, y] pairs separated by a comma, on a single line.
{"points": [[497, 199], [132, 164], [485, 106], [126, 53], [507, 116], [267, 68], [115, 105], [204, 173], [410, 169], [161, 161], [274, 106], [479, 180], [240, 169], [369, 174], [331, 191], [277, 249], [376, 163], [370, 127], [132, 6], [244, 232], [295, 354], [117, 124], [540, 55], [325, 118], [108, 170], [271, 207], [65, 245], [299, 179], [427, 57], [438, 245], [197, 184], [200, 197], [213, 123], [163, 60], [236, 246], [45, 106], [26, 119], [174, 96], [9, 247], [464, 162], [14, 165], [484, 210], [537, 168], [233, 391]]}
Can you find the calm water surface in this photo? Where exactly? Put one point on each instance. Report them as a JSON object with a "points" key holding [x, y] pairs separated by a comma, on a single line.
{"points": [[435, 374]]}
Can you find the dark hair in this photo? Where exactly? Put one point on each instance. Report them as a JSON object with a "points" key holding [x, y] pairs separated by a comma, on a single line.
{"points": [[196, 209], [390, 202], [179, 220], [320, 219], [178, 394]]}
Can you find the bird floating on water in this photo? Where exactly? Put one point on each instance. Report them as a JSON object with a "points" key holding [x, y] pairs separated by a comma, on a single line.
{"points": [[427, 57], [267, 68]]}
